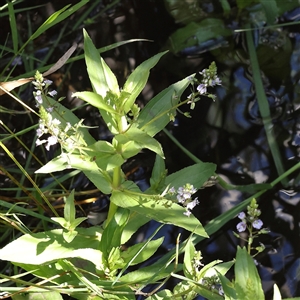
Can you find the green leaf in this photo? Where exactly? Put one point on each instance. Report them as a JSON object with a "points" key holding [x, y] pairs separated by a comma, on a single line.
{"points": [[270, 9], [57, 164], [158, 176], [77, 221], [69, 235], [47, 295], [134, 223], [111, 236], [141, 251], [138, 79], [195, 34], [69, 209], [228, 288], [57, 17], [50, 246], [189, 253], [247, 281], [156, 208], [161, 295], [61, 221], [134, 140], [95, 100], [100, 178], [148, 274], [207, 294], [196, 175], [105, 155], [101, 76], [161, 109]]}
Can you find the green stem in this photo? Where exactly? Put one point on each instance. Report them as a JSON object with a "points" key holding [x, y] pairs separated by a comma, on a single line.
{"points": [[117, 178], [116, 183]]}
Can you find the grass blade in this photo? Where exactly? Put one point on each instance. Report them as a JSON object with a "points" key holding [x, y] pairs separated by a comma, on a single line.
{"points": [[264, 107], [13, 26]]}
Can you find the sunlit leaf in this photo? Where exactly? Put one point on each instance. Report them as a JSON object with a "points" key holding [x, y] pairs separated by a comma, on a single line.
{"points": [[159, 209], [247, 281], [138, 79]]}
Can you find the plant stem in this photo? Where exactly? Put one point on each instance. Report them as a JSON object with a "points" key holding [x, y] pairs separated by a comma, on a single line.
{"points": [[116, 183]]}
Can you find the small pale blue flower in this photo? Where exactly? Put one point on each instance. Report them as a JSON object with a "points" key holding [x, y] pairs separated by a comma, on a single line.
{"points": [[201, 88], [257, 224], [52, 93], [241, 227], [242, 215]]}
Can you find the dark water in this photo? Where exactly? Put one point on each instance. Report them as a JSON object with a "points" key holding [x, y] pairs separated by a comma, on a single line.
{"points": [[228, 132]]}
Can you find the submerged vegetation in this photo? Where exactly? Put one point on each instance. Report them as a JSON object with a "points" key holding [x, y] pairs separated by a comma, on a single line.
{"points": [[94, 205]]}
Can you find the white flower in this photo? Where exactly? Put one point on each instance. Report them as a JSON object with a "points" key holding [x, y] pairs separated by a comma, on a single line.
{"points": [[52, 140], [40, 142], [192, 204]]}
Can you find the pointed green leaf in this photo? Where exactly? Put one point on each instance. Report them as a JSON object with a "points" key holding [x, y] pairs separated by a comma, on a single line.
{"points": [[61, 221], [111, 236], [161, 109], [158, 176], [144, 275], [69, 209], [134, 140], [55, 165], [188, 266], [140, 252], [196, 175], [46, 247], [138, 79], [134, 223], [161, 295], [156, 208], [105, 155], [101, 76], [51, 295], [69, 235], [57, 17], [95, 100], [77, 221], [228, 287], [247, 281], [102, 180]]}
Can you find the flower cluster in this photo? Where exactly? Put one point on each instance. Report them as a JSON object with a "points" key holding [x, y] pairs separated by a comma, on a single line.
{"points": [[209, 79], [184, 196], [51, 123], [252, 217], [41, 86], [253, 224]]}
